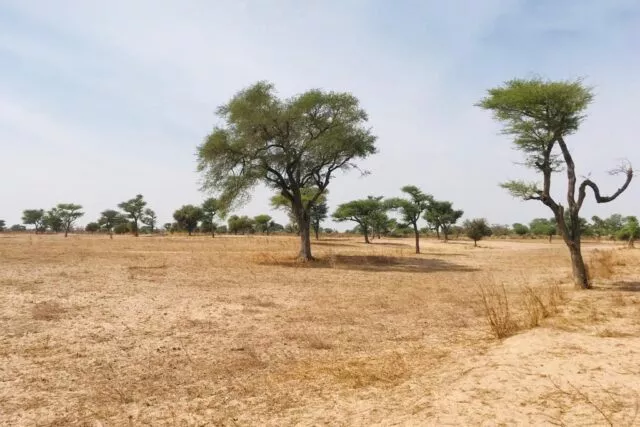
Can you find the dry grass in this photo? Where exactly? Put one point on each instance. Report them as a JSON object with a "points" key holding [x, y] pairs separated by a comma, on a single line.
{"points": [[233, 331]]}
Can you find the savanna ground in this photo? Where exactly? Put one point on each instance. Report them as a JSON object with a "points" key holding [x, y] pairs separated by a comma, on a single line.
{"points": [[231, 331]]}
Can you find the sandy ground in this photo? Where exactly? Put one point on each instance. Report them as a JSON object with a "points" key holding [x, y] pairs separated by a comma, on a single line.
{"points": [[230, 331]]}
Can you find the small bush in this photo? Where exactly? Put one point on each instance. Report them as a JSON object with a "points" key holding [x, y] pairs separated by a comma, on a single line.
{"points": [[497, 311]]}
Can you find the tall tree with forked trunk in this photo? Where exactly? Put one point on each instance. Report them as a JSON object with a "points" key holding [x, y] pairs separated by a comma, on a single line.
{"points": [[287, 144], [134, 208], [411, 208], [539, 115]]}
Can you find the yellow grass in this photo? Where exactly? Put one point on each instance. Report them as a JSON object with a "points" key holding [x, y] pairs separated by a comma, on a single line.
{"points": [[233, 331]]}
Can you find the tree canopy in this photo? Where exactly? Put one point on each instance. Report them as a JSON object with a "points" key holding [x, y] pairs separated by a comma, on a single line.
{"points": [[188, 217], [288, 144], [134, 208], [476, 229], [68, 214], [363, 212], [441, 216], [34, 217], [411, 208]]}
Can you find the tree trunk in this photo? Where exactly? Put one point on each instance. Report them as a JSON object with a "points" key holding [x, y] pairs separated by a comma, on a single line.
{"points": [[111, 234], [417, 234], [316, 230], [580, 276], [631, 243], [66, 232], [365, 231], [550, 237], [475, 243], [445, 233], [213, 233], [438, 232], [305, 238], [135, 228]]}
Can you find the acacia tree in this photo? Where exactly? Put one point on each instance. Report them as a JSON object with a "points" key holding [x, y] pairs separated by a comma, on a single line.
{"points": [[210, 208], [411, 208], [263, 223], [318, 210], [539, 115], [476, 229], [109, 219], [363, 212], [520, 229], [441, 216], [34, 217], [287, 144], [543, 227], [53, 220], [188, 217], [149, 218], [630, 231], [134, 208], [318, 213], [68, 213], [3, 225]]}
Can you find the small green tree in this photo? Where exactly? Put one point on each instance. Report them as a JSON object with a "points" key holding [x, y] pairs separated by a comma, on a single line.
{"points": [[614, 224], [210, 208], [188, 217], [92, 227], [263, 223], [3, 225], [477, 229], [520, 229], [318, 212], [34, 217], [411, 208], [109, 219], [543, 227], [539, 115], [287, 144], [134, 209], [150, 219], [17, 228], [69, 213], [441, 216], [630, 231], [53, 220], [500, 230], [363, 212]]}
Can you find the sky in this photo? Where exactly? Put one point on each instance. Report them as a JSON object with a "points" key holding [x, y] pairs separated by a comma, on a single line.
{"points": [[100, 101]]}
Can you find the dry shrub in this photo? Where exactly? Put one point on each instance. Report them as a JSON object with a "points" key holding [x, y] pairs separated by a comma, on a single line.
{"points": [[47, 310], [497, 311], [389, 370], [535, 309], [602, 264]]}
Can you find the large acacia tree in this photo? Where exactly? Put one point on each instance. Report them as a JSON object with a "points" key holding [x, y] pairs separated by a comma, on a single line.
{"points": [[364, 212], [288, 144], [539, 115]]}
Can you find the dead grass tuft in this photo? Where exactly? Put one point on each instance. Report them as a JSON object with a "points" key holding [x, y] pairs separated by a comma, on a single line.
{"points": [[602, 264], [497, 311], [385, 371], [47, 310]]}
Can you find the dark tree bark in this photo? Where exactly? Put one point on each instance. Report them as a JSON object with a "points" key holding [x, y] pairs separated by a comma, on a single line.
{"points": [[417, 234], [438, 232], [316, 230], [365, 231], [445, 233]]}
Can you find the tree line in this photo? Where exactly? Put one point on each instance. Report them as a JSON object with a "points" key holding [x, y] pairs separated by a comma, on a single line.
{"points": [[297, 145]]}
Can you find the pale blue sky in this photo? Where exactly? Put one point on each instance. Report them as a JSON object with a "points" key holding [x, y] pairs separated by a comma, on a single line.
{"points": [[100, 101]]}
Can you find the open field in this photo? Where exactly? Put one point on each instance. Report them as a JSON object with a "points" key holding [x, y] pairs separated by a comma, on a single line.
{"points": [[230, 331]]}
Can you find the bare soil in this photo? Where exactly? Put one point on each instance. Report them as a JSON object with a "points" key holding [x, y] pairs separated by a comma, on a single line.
{"points": [[233, 331]]}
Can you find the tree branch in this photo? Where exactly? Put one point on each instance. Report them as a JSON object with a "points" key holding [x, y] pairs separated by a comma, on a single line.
{"points": [[626, 169]]}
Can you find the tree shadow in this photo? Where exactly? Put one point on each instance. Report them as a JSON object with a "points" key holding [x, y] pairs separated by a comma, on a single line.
{"points": [[377, 263], [624, 285]]}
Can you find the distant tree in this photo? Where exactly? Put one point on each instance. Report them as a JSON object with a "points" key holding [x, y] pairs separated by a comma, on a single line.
{"points": [[263, 223], [188, 217], [210, 208], [362, 212], [122, 228], [456, 230], [614, 224], [543, 227], [17, 228], [411, 208], [539, 115], [598, 226], [500, 230], [222, 229], [53, 220], [441, 216], [92, 227], [328, 230], [34, 217], [167, 226], [3, 225], [381, 224], [68, 213], [630, 231], [520, 229], [287, 144], [109, 219], [134, 208], [149, 218], [476, 229], [317, 210]]}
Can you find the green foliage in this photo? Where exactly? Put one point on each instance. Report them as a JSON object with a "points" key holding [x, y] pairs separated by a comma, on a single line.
{"points": [[441, 216], [53, 220], [543, 227], [122, 228], [34, 217], [134, 208], [476, 229], [3, 225], [188, 217], [109, 219], [630, 230], [520, 229], [149, 218], [410, 208], [222, 229], [240, 224], [263, 223], [210, 208], [68, 214], [365, 212], [16, 228], [167, 226], [92, 227]]}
